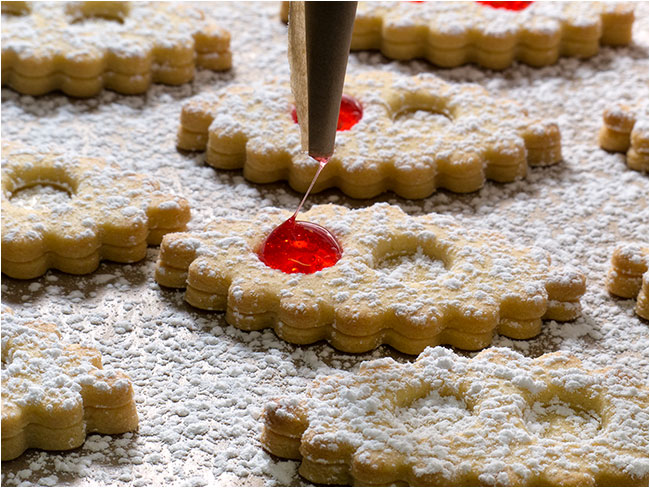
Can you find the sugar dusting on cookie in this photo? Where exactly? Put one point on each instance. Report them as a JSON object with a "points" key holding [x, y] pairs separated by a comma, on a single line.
{"points": [[81, 47], [201, 385], [497, 419], [417, 134]]}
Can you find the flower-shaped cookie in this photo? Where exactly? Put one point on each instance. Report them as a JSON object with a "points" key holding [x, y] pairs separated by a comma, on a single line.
{"points": [[54, 393], [109, 213], [409, 282], [499, 419], [82, 47], [416, 133], [628, 275], [626, 130], [451, 34]]}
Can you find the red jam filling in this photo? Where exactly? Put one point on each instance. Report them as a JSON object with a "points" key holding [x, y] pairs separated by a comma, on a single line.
{"points": [[300, 247], [507, 5], [350, 113]]}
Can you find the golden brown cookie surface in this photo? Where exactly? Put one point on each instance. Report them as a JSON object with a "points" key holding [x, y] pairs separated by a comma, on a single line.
{"points": [[625, 129], [446, 420], [450, 34], [98, 211], [54, 393], [415, 134], [628, 275], [82, 47], [406, 281]]}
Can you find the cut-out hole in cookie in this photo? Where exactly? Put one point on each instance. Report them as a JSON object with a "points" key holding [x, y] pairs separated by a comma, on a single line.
{"points": [[411, 267], [41, 196], [97, 12], [434, 415], [433, 121], [410, 260], [16, 8], [350, 113], [561, 420]]}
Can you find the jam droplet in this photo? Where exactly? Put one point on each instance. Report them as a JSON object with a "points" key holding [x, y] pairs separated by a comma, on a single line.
{"points": [[350, 113], [300, 247], [507, 5]]}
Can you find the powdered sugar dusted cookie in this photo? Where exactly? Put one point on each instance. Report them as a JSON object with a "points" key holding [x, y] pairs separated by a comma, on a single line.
{"points": [[628, 275], [82, 47], [451, 34], [625, 129], [409, 282], [88, 210], [54, 393], [499, 419], [408, 134]]}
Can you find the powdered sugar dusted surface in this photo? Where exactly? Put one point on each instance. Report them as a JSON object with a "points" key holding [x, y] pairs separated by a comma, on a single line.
{"points": [[201, 385]]}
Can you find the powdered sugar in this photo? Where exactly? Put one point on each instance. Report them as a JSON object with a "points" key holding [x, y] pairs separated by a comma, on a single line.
{"points": [[201, 385], [444, 419]]}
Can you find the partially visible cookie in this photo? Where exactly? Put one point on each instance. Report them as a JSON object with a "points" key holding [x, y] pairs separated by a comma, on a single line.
{"points": [[450, 34], [408, 134], [82, 47], [625, 129], [641, 308], [109, 213], [499, 419], [628, 275], [409, 282], [55, 393]]}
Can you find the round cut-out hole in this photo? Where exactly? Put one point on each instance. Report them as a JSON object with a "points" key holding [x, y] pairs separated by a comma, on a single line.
{"points": [[300, 247], [422, 120], [97, 12], [42, 196], [410, 267], [433, 415], [557, 420], [350, 113]]}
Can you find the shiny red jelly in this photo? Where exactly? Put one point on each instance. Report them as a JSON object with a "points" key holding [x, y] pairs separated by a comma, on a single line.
{"points": [[350, 113], [507, 5], [300, 247]]}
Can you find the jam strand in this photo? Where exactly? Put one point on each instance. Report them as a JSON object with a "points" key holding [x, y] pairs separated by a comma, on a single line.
{"points": [[321, 164]]}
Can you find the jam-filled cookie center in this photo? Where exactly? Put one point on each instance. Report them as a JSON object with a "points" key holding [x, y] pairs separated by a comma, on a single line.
{"points": [[300, 247], [350, 113], [507, 5]]}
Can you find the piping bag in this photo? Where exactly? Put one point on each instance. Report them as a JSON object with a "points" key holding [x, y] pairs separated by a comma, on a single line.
{"points": [[319, 45]]}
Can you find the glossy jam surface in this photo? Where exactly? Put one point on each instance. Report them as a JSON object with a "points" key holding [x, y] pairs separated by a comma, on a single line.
{"points": [[507, 5], [300, 247], [350, 113]]}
